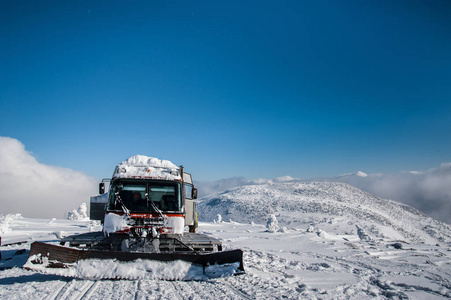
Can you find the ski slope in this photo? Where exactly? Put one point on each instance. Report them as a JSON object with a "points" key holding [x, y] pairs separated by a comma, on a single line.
{"points": [[305, 251]]}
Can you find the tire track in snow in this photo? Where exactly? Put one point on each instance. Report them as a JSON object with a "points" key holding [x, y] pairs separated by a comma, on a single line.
{"points": [[201, 290], [75, 290], [159, 289], [57, 290], [241, 294], [151, 289], [164, 290], [215, 289], [64, 290], [80, 292], [181, 292], [147, 289], [195, 290], [142, 289], [88, 292], [138, 287]]}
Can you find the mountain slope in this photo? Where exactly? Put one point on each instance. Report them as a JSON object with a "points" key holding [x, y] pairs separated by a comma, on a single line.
{"points": [[338, 208]]}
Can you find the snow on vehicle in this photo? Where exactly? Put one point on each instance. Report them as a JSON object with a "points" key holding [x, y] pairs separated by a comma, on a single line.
{"points": [[149, 204]]}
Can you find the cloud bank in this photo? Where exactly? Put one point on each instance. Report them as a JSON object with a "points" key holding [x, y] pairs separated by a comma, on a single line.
{"points": [[428, 191], [37, 190], [211, 187]]}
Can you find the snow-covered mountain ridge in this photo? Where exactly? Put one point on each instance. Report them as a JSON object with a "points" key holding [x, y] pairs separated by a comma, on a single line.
{"points": [[338, 208]]}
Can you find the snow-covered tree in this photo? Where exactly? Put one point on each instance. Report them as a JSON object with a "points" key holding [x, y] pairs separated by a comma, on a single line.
{"points": [[79, 214], [272, 224], [218, 219]]}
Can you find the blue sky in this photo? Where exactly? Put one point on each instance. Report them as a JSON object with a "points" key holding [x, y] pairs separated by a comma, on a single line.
{"points": [[229, 88]]}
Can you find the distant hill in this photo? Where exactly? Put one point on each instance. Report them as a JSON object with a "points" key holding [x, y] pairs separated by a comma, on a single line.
{"points": [[336, 207]]}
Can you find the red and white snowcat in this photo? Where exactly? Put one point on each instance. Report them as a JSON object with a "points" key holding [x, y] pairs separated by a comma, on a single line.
{"points": [[149, 205]]}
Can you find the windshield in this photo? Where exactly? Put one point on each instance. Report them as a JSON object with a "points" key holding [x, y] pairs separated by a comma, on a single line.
{"points": [[137, 197]]}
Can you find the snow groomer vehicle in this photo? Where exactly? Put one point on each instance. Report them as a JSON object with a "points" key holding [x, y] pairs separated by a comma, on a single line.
{"points": [[149, 213]]}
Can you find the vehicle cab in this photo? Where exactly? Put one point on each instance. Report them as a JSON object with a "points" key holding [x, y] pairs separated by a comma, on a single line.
{"points": [[148, 196]]}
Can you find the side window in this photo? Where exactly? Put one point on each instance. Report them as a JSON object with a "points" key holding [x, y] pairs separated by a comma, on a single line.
{"points": [[112, 204], [188, 191]]}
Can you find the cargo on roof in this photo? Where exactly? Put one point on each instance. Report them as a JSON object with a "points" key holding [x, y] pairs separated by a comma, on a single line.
{"points": [[140, 166]]}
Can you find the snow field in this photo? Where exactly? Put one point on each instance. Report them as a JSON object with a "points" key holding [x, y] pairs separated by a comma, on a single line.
{"points": [[310, 265], [332, 242], [293, 264]]}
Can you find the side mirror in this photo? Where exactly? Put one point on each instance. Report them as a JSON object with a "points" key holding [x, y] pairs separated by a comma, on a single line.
{"points": [[101, 188], [194, 193]]}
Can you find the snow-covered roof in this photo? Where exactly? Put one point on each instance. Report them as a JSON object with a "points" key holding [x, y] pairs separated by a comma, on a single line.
{"points": [[140, 166]]}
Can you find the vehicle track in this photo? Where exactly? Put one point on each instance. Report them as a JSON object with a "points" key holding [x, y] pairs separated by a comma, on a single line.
{"points": [[138, 290], [241, 294], [75, 290], [58, 288], [182, 291], [77, 293], [168, 291], [90, 290], [65, 288]]}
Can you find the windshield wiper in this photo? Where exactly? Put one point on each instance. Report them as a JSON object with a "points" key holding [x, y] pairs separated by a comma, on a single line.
{"points": [[119, 200], [160, 213]]}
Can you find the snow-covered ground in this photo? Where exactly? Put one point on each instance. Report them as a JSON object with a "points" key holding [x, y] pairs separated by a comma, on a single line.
{"points": [[300, 241]]}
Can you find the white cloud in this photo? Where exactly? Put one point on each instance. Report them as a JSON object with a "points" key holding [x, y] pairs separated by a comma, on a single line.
{"points": [[285, 179], [261, 181], [211, 187], [37, 190], [208, 188], [428, 191]]}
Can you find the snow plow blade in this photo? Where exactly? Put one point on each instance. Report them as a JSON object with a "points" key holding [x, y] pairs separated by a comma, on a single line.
{"points": [[52, 256]]}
